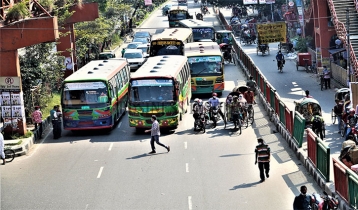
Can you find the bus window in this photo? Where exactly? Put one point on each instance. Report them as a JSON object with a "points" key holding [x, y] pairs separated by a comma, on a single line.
{"points": [[148, 90], [84, 93]]}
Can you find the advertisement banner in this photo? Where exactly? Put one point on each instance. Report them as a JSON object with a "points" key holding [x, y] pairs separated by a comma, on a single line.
{"points": [[147, 2], [270, 1], [246, 2], [271, 32]]}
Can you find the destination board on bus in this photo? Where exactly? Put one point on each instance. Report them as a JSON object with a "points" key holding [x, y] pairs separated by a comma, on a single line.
{"points": [[166, 42], [152, 82], [177, 12], [202, 30], [84, 85], [204, 59]]}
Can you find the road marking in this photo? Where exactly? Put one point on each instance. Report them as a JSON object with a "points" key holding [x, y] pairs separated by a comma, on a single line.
{"points": [[190, 204], [187, 167], [110, 147], [119, 125], [186, 145], [100, 172]]}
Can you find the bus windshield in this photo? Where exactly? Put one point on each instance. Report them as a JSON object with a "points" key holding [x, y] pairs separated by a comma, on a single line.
{"points": [[177, 14], [205, 65], [203, 33], [151, 90], [167, 48], [82, 93]]}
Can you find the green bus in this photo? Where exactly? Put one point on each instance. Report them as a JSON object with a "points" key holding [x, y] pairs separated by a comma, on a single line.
{"points": [[206, 66], [160, 87], [178, 13], [170, 42], [202, 31], [95, 96]]}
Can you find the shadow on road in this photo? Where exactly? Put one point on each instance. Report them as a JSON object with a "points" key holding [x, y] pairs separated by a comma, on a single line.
{"points": [[245, 185]]}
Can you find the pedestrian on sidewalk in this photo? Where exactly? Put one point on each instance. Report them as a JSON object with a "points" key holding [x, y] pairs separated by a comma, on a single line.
{"points": [[37, 119], [2, 145], [327, 77], [155, 133], [303, 201], [262, 156]]}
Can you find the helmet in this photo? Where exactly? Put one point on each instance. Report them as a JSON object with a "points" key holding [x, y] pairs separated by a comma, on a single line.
{"points": [[279, 51], [229, 96], [352, 111], [196, 100], [214, 94], [200, 102], [235, 97]]}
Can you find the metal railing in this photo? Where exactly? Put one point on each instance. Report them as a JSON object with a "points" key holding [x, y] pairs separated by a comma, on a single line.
{"points": [[300, 123]]}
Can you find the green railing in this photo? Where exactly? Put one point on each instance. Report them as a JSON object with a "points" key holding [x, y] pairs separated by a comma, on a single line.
{"points": [[323, 158], [353, 188], [282, 113], [299, 123], [264, 90]]}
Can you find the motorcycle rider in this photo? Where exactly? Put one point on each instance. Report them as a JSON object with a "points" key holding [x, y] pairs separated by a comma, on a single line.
{"points": [[198, 109], [317, 124], [351, 121], [198, 16], [280, 58], [214, 102]]}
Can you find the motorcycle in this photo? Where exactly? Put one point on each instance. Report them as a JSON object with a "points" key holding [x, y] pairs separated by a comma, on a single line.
{"points": [[280, 66], [324, 202], [205, 10], [353, 134], [200, 122]]}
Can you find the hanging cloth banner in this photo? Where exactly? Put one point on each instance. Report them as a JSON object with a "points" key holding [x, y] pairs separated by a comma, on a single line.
{"points": [[271, 32], [147, 2]]}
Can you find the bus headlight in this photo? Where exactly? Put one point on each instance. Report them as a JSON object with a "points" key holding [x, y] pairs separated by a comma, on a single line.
{"points": [[219, 80]]}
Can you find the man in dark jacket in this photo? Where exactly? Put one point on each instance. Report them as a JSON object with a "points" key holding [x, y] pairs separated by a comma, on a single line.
{"points": [[303, 201]]}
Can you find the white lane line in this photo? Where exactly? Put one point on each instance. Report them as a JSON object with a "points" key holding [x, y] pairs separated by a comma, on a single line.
{"points": [[186, 145], [187, 167], [100, 172], [110, 147], [190, 204], [119, 125]]}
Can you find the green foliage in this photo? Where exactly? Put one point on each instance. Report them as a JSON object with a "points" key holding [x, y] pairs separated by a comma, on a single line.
{"points": [[303, 43], [54, 100], [41, 72], [17, 12]]}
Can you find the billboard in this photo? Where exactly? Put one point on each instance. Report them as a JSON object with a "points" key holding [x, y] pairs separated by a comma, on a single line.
{"points": [[271, 32]]}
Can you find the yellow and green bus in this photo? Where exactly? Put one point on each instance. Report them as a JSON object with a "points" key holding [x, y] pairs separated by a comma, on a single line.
{"points": [[95, 96], [202, 31], [206, 66], [160, 87], [178, 13], [170, 42]]}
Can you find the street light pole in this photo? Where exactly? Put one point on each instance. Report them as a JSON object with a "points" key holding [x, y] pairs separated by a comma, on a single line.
{"points": [[348, 49]]}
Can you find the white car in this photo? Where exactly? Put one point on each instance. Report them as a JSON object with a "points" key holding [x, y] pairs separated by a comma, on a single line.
{"points": [[134, 58], [144, 48]]}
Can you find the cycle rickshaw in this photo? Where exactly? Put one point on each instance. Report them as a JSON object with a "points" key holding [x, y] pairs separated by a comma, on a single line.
{"points": [[227, 52], [307, 107], [220, 35], [263, 48], [339, 95]]}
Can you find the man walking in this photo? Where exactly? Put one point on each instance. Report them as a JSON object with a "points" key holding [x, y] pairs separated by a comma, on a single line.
{"points": [[155, 133], [263, 157], [302, 201], [326, 77]]}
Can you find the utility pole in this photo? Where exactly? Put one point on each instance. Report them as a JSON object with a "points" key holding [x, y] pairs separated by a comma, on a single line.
{"points": [[348, 49]]}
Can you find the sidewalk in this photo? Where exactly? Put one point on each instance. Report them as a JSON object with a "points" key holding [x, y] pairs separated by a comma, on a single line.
{"points": [[326, 99]]}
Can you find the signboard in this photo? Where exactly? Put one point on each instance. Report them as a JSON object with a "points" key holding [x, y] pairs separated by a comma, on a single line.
{"points": [[270, 1], [152, 82], [84, 85], [254, 2], [204, 59], [166, 42], [271, 32], [10, 83], [147, 2]]}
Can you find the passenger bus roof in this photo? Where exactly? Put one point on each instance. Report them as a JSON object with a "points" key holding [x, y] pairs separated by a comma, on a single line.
{"points": [[202, 49], [191, 23], [160, 66], [98, 70], [173, 34]]}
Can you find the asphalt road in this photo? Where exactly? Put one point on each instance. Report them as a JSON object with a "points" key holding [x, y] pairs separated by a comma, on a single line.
{"points": [[291, 86], [215, 170]]}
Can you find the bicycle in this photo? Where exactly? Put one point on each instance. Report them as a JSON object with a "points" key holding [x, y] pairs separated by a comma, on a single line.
{"points": [[9, 155]]}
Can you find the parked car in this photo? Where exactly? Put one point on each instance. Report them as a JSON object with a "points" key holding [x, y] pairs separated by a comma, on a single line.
{"points": [[142, 34], [144, 48], [106, 55], [143, 40], [135, 58]]}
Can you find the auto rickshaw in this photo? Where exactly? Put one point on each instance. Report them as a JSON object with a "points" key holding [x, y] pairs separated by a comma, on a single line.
{"points": [[220, 35]]}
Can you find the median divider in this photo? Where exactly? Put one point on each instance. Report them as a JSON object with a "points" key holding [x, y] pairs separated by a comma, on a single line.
{"points": [[292, 127]]}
